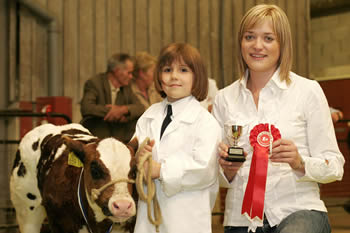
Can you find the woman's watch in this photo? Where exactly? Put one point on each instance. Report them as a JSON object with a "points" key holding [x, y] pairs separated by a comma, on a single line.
{"points": [[302, 163]]}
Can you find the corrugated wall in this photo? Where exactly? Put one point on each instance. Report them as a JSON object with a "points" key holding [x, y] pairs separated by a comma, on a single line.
{"points": [[91, 30]]}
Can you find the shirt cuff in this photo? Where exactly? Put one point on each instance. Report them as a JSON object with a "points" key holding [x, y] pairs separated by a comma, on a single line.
{"points": [[318, 170]]}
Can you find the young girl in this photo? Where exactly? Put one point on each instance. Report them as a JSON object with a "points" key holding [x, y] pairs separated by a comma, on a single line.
{"points": [[185, 165]]}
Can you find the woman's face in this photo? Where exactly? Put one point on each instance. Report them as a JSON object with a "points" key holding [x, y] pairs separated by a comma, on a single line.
{"points": [[148, 76], [177, 80], [260, 48]]}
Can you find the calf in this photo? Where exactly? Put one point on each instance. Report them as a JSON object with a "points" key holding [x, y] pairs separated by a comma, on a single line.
{"points": [[80, 183]]}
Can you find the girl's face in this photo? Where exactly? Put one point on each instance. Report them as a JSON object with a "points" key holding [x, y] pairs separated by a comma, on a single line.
{"points": [[177, 80], [260, 48]]}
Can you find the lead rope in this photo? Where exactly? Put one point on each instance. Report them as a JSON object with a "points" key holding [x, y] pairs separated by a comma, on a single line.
{"points": [[82, 206], [81, 202], [151, 189]]}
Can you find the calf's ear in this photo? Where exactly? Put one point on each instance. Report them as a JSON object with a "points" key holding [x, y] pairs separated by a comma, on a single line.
{"points": [[133, 145], [75, 146]]}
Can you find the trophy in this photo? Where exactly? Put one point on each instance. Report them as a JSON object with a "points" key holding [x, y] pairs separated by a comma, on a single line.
{"points": [[235, 153]]}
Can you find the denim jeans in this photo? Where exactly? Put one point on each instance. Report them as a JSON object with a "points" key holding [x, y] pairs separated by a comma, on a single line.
{"points": [[303, 221]]}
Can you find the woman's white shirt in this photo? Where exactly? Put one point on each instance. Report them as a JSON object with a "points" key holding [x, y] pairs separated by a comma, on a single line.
{"points": [[188, 185], [300, 111]]}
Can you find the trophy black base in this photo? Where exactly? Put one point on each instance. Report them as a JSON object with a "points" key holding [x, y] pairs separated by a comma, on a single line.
{"points": [[235, 154]]}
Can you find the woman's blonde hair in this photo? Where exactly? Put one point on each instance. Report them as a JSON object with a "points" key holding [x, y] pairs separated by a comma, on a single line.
{"points": [[191, 57], [282, 30], [143, 61]]}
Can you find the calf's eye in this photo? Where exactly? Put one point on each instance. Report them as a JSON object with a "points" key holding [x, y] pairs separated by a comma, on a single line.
{"points": [[96, 171]]}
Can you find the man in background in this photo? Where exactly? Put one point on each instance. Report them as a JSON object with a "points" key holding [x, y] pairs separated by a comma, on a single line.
{"points": [[336, 114], [109, 107]]}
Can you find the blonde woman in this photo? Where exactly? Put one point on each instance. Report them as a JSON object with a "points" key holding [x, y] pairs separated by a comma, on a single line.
{"points": [[306, 151], [142, 84]]}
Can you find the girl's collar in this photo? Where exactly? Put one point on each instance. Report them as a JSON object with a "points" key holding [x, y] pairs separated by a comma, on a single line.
{"points": [[177, 105]]}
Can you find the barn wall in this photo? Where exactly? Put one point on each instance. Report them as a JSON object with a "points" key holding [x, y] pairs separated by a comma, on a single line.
{"points": [[6, 216], [330, 51], [3, 73], [89, 31]]}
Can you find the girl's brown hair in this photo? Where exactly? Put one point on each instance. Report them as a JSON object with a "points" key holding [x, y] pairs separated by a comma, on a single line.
{"points": [[191, 57]]}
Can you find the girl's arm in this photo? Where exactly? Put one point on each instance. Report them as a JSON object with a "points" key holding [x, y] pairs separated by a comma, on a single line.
{"points": [[195, 168]]}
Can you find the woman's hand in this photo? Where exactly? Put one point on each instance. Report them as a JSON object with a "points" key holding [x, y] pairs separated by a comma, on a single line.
{"points": [[230, 168], [285, 151]]}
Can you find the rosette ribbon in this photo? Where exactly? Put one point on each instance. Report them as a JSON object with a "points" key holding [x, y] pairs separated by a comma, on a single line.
{"points": [[261, 138]]}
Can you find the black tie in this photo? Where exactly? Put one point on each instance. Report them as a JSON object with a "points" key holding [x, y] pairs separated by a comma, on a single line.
{"points": [[167, 120]]}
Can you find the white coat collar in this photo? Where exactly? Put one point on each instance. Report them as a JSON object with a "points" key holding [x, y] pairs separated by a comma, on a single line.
{"points": [[185, 110]]}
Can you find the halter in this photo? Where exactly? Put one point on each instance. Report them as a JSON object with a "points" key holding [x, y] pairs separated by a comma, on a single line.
{"points": [[94, 195], [96, 192]]}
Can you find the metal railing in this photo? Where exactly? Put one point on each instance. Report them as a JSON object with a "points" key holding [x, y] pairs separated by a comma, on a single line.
{"points": [[18, 113]]}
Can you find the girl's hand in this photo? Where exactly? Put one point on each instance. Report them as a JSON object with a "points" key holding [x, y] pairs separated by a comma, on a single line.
{"points": [[285, 151], [155, 173], [230, 168], [145, 150]]}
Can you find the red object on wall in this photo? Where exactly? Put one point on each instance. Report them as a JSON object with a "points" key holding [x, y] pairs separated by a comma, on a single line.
{"points": [[56, 104], [25, 123]]}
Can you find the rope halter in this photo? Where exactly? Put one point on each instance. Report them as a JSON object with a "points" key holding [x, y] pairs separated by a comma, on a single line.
{"points": [[97, 192]]}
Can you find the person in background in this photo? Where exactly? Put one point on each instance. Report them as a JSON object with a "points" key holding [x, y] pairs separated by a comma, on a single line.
{"points": [[184, 166], [142, 85], [212, 90], [109, 107], [336, 114], [305, 154]]}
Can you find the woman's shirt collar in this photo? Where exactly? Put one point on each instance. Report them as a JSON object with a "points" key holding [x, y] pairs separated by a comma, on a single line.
{"points": [[275, 80]]}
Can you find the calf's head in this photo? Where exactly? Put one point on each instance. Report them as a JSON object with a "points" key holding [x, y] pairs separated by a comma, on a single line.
{"points": [[107, 178]]}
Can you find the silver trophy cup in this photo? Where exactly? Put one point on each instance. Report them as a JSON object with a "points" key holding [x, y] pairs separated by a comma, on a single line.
{"points": [[235, 153]]}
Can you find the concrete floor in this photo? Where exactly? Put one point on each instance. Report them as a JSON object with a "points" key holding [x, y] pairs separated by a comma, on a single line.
{"points": [[339, 218]]}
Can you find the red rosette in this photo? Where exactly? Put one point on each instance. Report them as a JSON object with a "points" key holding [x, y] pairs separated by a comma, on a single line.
{"points": [[253, 138], [261, 136]]}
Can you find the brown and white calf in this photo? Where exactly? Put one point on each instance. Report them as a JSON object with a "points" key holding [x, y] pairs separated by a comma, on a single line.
{"points": [[43, 183]]}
